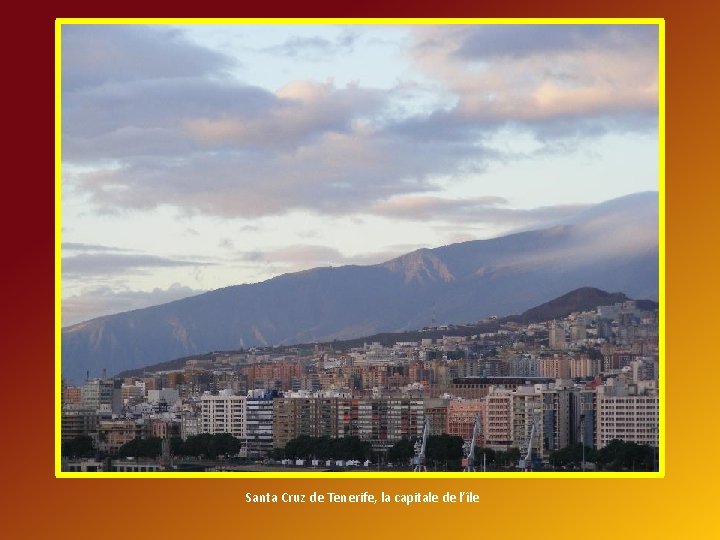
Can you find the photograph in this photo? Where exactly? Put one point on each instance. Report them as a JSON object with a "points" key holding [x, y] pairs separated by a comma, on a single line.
{"points": [[360, 249]]}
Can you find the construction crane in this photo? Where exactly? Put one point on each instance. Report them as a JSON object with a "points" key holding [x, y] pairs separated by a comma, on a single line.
{"points": [[526, 463], [419, 459], [470, 460]]}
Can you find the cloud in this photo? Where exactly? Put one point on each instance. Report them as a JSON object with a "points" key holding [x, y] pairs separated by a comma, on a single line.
{"points": [[517, 41], [93, 55], [76, 246], [315, 47], [299, 112], [337, 173], [85, 265], [147, 119], [162, 124], [472, 211], [96, 302], [543, 73], [297, 255], [226, 243]]}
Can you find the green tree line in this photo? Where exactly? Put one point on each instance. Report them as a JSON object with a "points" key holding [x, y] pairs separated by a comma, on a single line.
{"points": [[616, 456], [204, 445], [442, 451], [306, 447]]}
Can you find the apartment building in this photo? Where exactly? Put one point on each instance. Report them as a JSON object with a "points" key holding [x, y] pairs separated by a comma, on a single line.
{"points": [[223, 413], [461, 419], [629, 412], [497, 426], [295, 416], [259, 422]]}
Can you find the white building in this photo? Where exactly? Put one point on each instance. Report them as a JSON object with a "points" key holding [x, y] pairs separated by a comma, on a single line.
{"points": [[168, 395], [626, 412], [224, 413]]}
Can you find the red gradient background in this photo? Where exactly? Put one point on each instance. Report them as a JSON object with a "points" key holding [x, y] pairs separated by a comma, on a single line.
{"points": [[684, 504]]}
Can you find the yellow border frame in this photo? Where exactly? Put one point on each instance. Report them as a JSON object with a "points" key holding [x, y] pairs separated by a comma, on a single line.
{"points": [[357, 21]]}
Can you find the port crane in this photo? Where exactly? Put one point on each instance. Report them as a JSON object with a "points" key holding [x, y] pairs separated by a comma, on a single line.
{"points": [[470, 459], [420, 447], [526, 463]]}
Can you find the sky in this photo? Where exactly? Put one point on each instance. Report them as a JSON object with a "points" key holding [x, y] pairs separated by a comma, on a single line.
{"points": [[198, 157]]}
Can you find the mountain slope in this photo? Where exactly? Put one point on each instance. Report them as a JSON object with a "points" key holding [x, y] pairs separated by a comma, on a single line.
{"points": [[612, 246], [583, 299]]}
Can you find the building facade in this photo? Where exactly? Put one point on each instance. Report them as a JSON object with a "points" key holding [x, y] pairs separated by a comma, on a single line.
{"points": [[223, 413]]}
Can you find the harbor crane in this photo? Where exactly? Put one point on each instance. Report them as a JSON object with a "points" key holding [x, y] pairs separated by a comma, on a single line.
{"points": [[470, 459], [420, 447], [526, 463]]}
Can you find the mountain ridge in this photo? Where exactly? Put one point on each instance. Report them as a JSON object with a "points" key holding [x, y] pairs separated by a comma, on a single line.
{"points": [[614, 247]]}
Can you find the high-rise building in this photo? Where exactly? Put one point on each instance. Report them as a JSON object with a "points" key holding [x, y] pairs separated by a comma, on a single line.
{"points": [[295, 416], [555, 367], [527, 408], [102, 395], [582, 417], [628, 412], [436, 412], [555, 418], [77, 423], [259, 422], [582, 367], [383, 422], [223, 413], [497, 423], [461, 419], [556, 336]]}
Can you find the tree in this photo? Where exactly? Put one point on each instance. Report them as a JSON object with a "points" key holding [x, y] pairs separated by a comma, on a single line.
{"points": [[299, 447], [223, 444], [572, 455], [627, 456], [277, 453], [489, 454], [352, 448], [210, 445], [195, 445], [150, 448], [175, 445], [446, 449], [507, 459], [306, 447], [79, 447], [401, 451]]}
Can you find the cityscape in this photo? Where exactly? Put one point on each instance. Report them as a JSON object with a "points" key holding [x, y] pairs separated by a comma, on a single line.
{"points": [[391, 247], [551, 390]]}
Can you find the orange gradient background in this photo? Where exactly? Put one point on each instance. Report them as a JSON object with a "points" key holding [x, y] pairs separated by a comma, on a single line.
{"points": [[683, 504]]}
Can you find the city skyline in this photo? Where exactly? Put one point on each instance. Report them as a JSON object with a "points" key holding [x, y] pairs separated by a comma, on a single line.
{"points": [[582, 371], [196, 157]]}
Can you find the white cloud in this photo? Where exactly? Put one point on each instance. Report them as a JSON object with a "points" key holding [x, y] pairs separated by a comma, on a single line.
{"points": [[93, 55], [537, 73], [94, 264], [191, 137], [475, 211]]}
